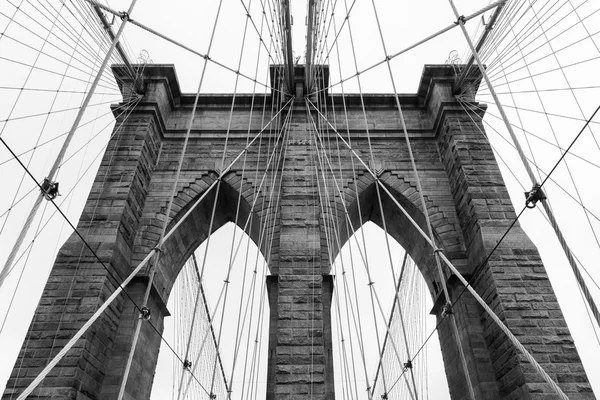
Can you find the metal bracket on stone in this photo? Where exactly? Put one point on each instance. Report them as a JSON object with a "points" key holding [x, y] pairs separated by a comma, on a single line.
{"points": [[145, 313], [534, 195], [49, 189], [447, 310]]}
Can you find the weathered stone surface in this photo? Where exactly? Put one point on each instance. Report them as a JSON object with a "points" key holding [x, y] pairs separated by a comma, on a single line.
{"points": [[465, 198]]}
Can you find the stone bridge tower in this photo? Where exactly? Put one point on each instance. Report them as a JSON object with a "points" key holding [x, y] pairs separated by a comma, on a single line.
{"points": [[466, 200]]}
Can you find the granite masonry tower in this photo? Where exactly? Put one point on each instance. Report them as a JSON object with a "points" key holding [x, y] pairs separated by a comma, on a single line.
{"points": [[466, 200]]}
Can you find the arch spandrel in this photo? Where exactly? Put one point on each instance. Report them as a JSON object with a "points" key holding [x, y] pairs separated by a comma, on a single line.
{"points": [[399, 226], [191, 219]]}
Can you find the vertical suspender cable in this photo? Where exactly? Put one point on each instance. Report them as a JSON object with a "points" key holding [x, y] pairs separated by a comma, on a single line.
{"points": [[425, 213], [63, 150], [544, 202], [154, 264]]}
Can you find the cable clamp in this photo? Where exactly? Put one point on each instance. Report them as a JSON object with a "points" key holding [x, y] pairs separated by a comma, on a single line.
{"points": [[437, 250], [145, 313], [408, 365], [447, 310], [388, 58], [461, 20], [212, 396], [158, 249], [124, 15], [187, 364], [534, 195], [384, 396], [49, 189]]}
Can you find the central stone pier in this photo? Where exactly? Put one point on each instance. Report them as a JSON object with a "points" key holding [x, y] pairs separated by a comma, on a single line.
{"points": [[300, 354]]}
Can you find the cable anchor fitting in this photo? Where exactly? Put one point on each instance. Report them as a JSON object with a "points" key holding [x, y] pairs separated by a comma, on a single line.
{"points": [[447, 310], [49, 189], [187, 364], [461, 20], [534, 195], [408, 365], [145, 313]]}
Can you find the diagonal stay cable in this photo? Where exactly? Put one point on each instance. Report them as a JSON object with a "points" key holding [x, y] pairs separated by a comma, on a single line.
{"points": [[173, 41], [120, 287]]}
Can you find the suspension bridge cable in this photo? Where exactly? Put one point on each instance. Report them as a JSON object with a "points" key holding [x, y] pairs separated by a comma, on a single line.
{"points": [[547, 219], [544, 202], [417, 44], [503, 327], [551, 179], [172, 41], [364, 259], [120, 287], [51, 174]]}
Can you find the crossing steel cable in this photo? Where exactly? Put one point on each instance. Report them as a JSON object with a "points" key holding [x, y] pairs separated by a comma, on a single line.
{"points": [[206, 57], [254, 195], [156, 258], [376, 297], [120, 287], [513, 46], [243, 168], [66, 196], [53, 170], [523, 158], [364, 261], [220, 296], [545, 217], [243, 389], [268, 226], [83, 50], [550, 178], [472, 106], [40, 132], [413, 46], [448, 263], [343, 274]]}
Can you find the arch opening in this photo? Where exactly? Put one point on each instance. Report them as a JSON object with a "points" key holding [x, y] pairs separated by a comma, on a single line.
{"points": [[239, 322], [362, 308], [193, 222]]}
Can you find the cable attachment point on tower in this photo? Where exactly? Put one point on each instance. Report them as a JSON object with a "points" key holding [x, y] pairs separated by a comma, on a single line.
{"points": [[447, 310], [408, 365], [49, 189], [145, 313], [534, 195], [461, 20], [187, 364]]}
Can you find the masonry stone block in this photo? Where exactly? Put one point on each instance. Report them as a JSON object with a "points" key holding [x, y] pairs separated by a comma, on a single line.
{"points": [[465, 198]]}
